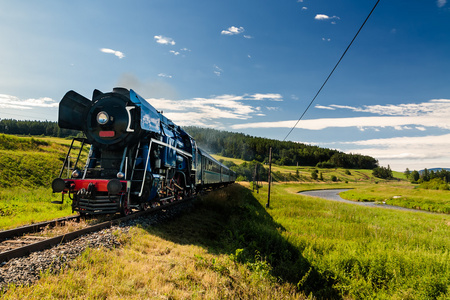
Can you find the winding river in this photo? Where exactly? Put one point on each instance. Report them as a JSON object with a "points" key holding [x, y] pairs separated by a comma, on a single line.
{"points": [[334, 195]]}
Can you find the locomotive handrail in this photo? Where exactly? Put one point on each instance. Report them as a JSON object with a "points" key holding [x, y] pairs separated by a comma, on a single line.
{"points": [[182, 152], [82, 140]]}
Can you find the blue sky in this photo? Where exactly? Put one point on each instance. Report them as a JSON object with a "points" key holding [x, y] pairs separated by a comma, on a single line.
{"points": [[249, 66]]}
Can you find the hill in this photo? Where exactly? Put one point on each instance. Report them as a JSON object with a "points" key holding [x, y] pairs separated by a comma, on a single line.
{"points": [[233, 145], [249, 148]]}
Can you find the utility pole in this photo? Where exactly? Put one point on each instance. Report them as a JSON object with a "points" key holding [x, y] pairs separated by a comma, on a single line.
{"points": [[254, 179], [270, 177]]}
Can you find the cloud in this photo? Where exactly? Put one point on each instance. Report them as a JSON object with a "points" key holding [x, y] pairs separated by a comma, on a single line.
{"points": [[174, 52], [406, 152], [209, 112], [164, 40], [218, 71], [164, 75], [233, 30], [441, 3], [325, 107], [111, 51], [321, 17], [433, 113], [7, 101]]}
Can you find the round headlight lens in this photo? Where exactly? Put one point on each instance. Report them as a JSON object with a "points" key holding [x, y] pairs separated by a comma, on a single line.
{"points": [[102, 118], [120, 175], [76, 173]]}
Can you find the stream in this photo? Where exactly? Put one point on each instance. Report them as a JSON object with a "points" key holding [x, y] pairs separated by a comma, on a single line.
{"points": [[334, 195]]}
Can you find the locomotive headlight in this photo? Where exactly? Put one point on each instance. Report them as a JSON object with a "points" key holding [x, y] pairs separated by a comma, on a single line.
{"points": [[102, 118], [120, 175], [76, 173]]}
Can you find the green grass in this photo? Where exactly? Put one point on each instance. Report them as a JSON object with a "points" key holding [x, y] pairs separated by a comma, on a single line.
{"points": [[27, 168], [21, 207], [231, 246], [370, 252]]}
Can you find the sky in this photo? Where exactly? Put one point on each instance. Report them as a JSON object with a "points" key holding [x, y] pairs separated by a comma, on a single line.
{"points": [[249, 66]]}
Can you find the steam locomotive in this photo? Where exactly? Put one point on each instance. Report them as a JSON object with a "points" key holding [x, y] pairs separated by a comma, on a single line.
{"points": [[132, 157]]}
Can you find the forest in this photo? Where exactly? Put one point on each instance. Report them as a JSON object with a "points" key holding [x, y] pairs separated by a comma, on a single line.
{"points": [[228, 144], [249, 148]]}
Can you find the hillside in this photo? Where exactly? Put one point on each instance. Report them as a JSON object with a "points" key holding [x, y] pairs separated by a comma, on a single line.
{"points": [[249, 148], [233, 145], [29, 162]]}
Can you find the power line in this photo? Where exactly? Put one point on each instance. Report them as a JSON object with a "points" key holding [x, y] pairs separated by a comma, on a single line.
{"points": [[332, 71]]}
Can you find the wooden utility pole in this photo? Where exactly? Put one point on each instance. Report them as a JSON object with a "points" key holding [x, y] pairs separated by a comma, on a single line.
{"points": [[270, 177], [254, 178]]}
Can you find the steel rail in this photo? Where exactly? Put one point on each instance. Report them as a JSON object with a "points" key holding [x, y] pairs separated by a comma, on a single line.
{"points": [[10, 233], [41, 245]]}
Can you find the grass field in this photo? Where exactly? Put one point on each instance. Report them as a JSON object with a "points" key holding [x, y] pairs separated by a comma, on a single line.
{"points": [[231, 246]]}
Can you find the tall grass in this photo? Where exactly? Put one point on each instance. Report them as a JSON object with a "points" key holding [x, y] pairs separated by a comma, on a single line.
{"points": [[369, 252], [231, 246], [27, 168], [21, 207]]}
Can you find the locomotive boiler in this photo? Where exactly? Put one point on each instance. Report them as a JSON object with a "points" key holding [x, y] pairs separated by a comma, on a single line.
{"points": [[131, 157]]}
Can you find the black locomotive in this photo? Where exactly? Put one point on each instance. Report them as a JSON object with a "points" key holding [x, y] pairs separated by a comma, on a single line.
{"points": [[136, 158]]}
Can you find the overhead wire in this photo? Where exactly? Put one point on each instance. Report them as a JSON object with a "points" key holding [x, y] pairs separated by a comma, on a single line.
{"points": [[332, 71]]}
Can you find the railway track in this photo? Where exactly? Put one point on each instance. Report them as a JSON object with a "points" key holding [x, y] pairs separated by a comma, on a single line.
{"points": [[26, 242]]}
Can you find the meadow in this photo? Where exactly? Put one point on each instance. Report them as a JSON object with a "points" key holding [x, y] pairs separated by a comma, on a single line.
{"points": [[231, 246], [27, 168]]}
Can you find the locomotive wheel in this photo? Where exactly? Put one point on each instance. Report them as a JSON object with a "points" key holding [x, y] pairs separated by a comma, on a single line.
{"points": [[124, 209], [144, 206]]}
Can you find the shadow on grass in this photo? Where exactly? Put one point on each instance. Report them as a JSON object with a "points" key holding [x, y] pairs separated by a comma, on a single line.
{"points": [[232, 221]]}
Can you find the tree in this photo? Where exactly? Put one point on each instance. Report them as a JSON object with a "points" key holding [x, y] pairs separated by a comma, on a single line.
{"points": [[383, 173], [407, 173]]}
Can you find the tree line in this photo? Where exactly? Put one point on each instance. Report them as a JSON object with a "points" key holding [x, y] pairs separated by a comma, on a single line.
{"points": [[228, 144], [47, 128], [427, 175], [249, 148]]}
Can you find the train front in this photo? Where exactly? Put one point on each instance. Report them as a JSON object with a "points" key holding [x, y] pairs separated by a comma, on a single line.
{"points": [[97, 174]]}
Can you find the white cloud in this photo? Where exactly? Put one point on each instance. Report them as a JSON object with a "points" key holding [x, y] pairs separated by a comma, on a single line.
{"points": [[218, 71], [174, 52], [233, 30], [325, 107], [325, 17], [407, 152], [441, 3], [164, 75], [433, 113], [7, 101], [208, 111], [111, 51], [304, 8], [164, 40]]}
